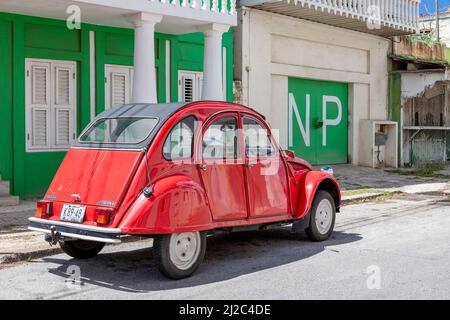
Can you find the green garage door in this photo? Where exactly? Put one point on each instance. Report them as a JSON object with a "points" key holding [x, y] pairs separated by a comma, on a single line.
{"points": [[317, 120]]}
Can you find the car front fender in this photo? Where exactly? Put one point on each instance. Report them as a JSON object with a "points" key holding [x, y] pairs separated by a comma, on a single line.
{"points": [[177, 204], [310, 183]]}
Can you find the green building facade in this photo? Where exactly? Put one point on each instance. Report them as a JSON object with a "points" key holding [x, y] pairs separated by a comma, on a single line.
{"points": [[26, 42]]}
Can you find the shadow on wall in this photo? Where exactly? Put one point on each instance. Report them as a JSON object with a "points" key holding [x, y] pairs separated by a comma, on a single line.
{"points": [[227, 256]]}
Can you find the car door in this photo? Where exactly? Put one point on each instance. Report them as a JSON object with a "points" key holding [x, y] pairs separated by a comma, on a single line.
{"points": [[267, 180], [222, 168]]}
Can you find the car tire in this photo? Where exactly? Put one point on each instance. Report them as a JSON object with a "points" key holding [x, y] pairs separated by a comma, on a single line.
{"points": [[322, 217], [81, 249], [179, 255]]}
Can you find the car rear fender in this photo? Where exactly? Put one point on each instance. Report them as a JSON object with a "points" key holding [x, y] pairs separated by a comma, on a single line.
{"points": [[177, 204], [311, 182]]}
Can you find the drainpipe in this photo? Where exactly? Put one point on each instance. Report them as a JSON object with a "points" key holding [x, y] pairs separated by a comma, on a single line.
{"points": [[437, 20]]}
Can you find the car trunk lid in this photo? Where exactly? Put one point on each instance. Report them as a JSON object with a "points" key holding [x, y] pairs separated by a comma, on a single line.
{"points": [[94, 177]]}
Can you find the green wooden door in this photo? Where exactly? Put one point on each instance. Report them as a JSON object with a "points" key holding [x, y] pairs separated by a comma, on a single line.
{"points": [[317, 120]]}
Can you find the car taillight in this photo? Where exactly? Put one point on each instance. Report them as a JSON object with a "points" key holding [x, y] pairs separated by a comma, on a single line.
{"points": [[103, 215], [44, 209]]}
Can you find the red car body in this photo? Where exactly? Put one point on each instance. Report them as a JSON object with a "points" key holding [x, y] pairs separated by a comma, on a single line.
{"points": [[143, 193]]}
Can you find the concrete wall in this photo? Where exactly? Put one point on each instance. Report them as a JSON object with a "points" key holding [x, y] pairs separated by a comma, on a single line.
{"points": [[274, 47], [420, 48], [444, 28], [414, 83]]}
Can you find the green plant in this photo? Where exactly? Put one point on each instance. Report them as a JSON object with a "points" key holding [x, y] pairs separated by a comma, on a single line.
{"points": [[428, 169]]}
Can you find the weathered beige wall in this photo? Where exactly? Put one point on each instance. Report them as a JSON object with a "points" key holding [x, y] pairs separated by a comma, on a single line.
{"points": [[273, 47]]}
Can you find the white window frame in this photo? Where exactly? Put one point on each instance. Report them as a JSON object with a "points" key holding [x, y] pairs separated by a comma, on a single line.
{"points": [[51, 107], [197, 76], [111, 69]]}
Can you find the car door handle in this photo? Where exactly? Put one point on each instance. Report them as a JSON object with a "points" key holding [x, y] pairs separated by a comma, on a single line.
{"points": [[202, 166], [249, 165]]}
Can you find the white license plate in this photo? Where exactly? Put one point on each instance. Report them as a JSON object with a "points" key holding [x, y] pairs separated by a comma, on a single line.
{"points": [[72, 213]]}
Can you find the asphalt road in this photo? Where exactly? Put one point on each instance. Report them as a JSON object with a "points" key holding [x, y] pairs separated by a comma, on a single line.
{"points": [[398, 248]]}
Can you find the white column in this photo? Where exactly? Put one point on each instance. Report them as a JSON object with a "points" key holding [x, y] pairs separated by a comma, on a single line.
{"points": [[212, 61], [144, 77]]}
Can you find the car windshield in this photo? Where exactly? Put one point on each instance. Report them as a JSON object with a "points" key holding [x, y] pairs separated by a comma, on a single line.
{"points": [[119, 130]]}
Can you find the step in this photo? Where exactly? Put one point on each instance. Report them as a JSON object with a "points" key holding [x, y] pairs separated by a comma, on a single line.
{"points": [[9, 201], [4, 188]]}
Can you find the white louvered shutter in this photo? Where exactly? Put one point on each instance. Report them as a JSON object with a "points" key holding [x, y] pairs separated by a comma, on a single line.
{"points": [[187, 84], [118, 84], [37, 105], [50, 105], [119, 89], [64, 108], [63, 132], [190, 86], [40, 127]]}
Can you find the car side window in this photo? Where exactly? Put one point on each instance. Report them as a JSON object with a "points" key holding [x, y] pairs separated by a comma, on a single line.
{"points": [[180, 141], [257, 141], [220, 140]]}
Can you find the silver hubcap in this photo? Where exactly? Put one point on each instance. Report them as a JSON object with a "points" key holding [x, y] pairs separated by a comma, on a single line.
{"points": [[324, 216], [184, 249]]}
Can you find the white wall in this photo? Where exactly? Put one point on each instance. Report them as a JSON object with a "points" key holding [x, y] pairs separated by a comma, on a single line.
{"points": [[444, 28], [274, 47], [414, 83]]}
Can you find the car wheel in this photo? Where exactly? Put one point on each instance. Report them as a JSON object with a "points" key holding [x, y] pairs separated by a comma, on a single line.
{"points": [[323, 216], [81, 249], [178, 255]]}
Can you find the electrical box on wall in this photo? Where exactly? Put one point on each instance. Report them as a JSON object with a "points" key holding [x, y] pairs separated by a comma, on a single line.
{"points": [[381, 137]]}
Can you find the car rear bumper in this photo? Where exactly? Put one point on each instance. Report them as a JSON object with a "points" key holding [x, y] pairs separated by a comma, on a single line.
{"points": [[71, 230]]}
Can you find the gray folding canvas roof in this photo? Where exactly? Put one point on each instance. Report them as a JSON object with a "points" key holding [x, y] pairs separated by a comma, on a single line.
{"points": [[160, 111]]}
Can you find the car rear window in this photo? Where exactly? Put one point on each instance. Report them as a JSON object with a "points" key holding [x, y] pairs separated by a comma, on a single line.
{"points": [[119, 130]]}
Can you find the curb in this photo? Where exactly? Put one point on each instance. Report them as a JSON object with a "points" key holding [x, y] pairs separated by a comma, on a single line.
{"points": [[359, 197], [23, 256], [36, 254], [346, 200], [386, 193]]}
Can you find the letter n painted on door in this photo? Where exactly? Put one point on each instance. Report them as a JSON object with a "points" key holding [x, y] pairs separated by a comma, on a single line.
{"points": [[304, 129]]}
